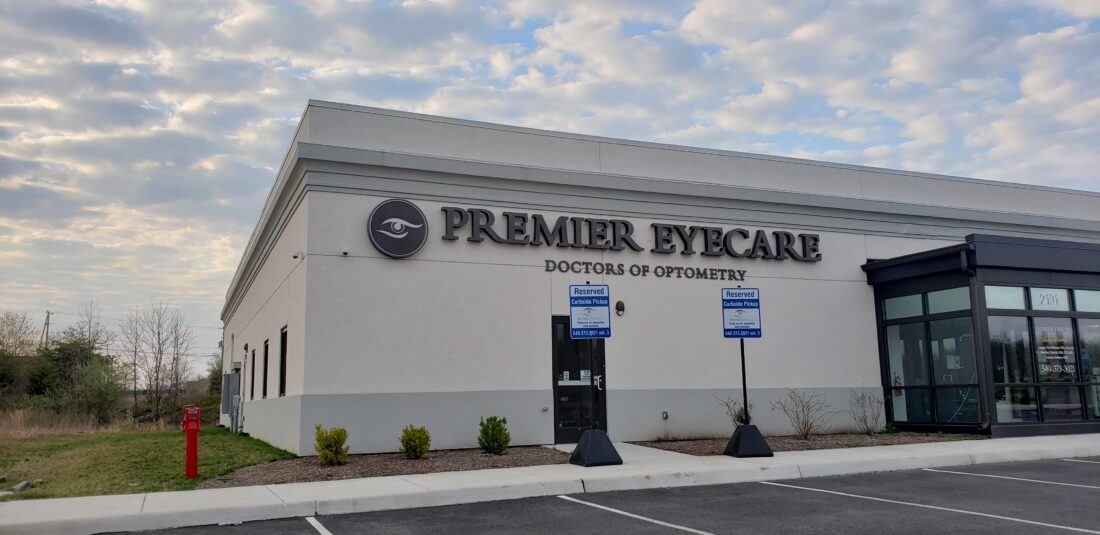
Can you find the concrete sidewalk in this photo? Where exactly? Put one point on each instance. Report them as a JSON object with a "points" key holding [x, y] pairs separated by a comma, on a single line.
{"points": [[642, 468]]}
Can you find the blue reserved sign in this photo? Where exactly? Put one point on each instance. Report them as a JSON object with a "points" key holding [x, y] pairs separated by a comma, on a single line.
{"points": [[741, 313], [589, 311]]}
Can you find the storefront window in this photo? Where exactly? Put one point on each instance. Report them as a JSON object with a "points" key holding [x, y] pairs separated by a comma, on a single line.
{"points": [[953, 351], [1089, 331], [1087, 300], [1016, 404], [1094, 401], [1061, 403], [931, 362], [902, 307], [1044, 356], [1055, 350], [1010, 348], [949, 300], [1008, 297], [912, 405], [1049, 299], [908, 357], [957, 405]]}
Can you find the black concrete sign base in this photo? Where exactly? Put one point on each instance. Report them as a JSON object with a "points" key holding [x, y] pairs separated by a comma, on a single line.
{"points": [[748, 442], [595, 449]]}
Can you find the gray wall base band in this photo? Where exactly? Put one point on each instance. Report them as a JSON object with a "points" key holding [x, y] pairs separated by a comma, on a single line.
{"points": [[374, 421]]}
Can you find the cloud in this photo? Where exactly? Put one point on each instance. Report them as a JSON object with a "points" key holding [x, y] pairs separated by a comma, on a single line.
{"points": [[1076, 8], [13, 166], [77, 25], [36, 202], [138, 139]]}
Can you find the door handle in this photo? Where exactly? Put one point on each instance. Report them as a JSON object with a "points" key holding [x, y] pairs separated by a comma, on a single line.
{"points": [[599, 383]]}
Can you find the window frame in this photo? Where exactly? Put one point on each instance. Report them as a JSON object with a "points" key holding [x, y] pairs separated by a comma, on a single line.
{"points": [[926, 319], [1030, 313], [263, 385], [282, 361]]}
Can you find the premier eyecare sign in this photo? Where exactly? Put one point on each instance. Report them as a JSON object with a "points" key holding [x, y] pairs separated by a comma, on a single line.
{"points": [[398, 229], [618, 235]]}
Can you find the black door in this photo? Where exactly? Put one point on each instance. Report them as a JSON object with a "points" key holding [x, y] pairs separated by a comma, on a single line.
{"points": [[579, 383]]}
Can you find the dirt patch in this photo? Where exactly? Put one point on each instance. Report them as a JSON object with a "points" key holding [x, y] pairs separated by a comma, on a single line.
{"points": [[384, 464], [715, 446]]}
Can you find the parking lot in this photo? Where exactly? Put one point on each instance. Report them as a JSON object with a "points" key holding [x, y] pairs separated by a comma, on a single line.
{"points": [[1055, 496]]}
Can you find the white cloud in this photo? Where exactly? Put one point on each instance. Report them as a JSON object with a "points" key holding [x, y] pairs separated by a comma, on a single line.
{"points": [[1077, 8], [138, 141]]}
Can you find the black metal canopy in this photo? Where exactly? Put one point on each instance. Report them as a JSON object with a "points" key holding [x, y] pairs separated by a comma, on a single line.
{"points": [[989, 251]]}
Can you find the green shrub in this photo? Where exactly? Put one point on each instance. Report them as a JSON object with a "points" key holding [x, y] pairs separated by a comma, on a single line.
{"points": [[494, 437], [211, 406], [98, 388], [415, 442], [330, 445], [40, 403]]}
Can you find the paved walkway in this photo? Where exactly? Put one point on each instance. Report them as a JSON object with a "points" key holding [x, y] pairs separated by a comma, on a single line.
{"points": [[995, 499], [642, 468]]}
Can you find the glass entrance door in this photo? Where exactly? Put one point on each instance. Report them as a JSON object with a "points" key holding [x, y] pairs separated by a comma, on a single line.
{"points": [[579, 383]]}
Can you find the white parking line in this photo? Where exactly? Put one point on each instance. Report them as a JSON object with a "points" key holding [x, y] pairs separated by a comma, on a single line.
{"points": [[1081, 461], [1014, 478], [639, 517], [317, 526], [921, 505]]}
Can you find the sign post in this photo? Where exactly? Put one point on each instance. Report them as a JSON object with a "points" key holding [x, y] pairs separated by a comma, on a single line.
{"points": [[741, 320], [590, 319]]}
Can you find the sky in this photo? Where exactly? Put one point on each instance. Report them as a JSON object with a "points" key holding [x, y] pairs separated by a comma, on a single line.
{"points": [[139, 139]]}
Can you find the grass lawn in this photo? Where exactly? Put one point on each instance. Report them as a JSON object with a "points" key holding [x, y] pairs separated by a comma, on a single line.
{"points": [[123, 462]]}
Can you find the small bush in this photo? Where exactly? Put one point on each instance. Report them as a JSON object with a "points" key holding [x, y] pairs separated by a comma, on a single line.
{"points": [[415, 442], [734, 412], [330, 445], [98, 388], [866, 411], [807, 412], [494, 437]]}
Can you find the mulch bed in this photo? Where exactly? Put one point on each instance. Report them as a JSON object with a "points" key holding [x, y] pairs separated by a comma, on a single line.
{"points": [[715, 446], [384, 464], [393, 464]]}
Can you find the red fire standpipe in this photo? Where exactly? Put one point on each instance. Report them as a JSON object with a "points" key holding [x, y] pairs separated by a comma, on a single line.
{"points": [[191, 427]]}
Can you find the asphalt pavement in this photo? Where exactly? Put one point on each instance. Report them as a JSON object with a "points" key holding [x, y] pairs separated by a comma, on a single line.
{"points": [[1053, 496]]}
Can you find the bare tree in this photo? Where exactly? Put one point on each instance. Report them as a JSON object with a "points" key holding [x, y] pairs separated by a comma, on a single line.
{"points": [[147, 337], [18, 338], [131, 351], [179, 365], [89, 338], [18, 335], [156, 344], [89, 329]]}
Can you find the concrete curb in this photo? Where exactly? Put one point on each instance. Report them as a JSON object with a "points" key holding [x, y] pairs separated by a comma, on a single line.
{"points": [[643, 468]]}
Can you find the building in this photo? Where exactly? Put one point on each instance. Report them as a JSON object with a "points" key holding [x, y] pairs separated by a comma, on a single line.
{"points": [[411, 269]]}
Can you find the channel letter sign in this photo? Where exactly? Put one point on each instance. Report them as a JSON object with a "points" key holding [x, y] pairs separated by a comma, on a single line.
{"points": [[589, 311], [741, 313]]}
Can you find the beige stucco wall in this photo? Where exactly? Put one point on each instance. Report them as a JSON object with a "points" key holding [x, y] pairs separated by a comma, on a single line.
{"points": [[275, 299]]}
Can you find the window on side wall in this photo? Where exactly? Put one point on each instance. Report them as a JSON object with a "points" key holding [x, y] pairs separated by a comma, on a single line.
{"points": [[282, 362]]}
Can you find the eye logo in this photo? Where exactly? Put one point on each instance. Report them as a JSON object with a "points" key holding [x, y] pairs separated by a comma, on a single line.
{"points": [[397, 228]]}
